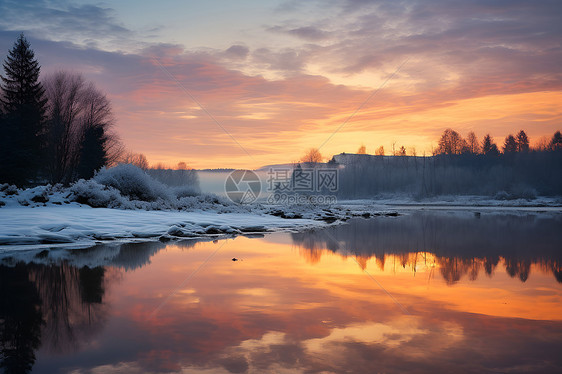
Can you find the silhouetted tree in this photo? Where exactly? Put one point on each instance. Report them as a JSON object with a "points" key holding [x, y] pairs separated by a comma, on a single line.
{"points": [[92, 155], [91, 284], [472, 143], [20, 319], [23, 103], [522, 142], [510, 144], [451, 143], [489, 147], [137, 159], [78, 136], [380, 151], [64, 92], [313, 155], [542, 144], [556, 142], [362, 150], [401, 151]]}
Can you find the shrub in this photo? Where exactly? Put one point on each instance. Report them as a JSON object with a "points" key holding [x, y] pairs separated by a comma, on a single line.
{"points": [[96, 195], [185, 191], [133, 182]]}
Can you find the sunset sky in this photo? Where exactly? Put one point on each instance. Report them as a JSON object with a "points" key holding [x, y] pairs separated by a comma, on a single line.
{"points": [[274, 78]]}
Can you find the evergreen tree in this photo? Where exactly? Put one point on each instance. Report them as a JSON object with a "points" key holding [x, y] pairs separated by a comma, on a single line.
{"points": [[556, 142], [24, 105], [489, 147], [522, 142], [510, 144], [93, 154]]}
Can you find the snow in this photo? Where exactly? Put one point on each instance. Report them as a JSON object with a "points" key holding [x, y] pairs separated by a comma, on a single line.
{"points": [[83, 226], [123, 204]]}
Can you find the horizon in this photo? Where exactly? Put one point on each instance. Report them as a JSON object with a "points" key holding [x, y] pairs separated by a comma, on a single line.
{"points": [[271, 80]]}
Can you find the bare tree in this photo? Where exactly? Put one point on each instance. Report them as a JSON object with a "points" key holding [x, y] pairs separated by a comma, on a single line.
{"points": [[362, 150], [78, 137], [451, 143], [380, 151], [313, 155], [472, 143], [115, 149], [541, 144], [137, 159], [64, 94]]}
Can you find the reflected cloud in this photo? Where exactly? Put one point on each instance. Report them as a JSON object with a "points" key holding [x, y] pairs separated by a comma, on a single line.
{"points": [[277, 311]]}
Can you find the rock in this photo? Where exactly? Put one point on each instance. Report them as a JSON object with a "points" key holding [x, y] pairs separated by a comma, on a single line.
{"points": [[42, 198], [213, 230], [43, 254], [392, 214], [253, 229], [328, 219], [176, 231]]}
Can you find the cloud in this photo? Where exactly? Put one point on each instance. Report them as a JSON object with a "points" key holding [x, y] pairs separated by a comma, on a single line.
{"points": [[309, 33], [85, 24], [280, 98], [237, 51]]}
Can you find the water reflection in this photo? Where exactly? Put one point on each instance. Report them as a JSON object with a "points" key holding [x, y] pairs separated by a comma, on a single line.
{"points": [[298, 302], [459, 244], [61, 306]]}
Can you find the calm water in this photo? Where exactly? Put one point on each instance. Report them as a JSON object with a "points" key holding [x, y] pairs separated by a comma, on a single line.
{"points": [[423, 292]]}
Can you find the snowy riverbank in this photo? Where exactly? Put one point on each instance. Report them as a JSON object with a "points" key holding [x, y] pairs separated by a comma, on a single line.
{"points": [[94, 212], [83, 226]]}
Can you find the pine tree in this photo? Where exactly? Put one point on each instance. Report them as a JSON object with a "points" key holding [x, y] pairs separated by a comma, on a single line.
{"points": [[24, 104], [510, 144], [489, 147], [556, 142], [522, 142], [93, 154]]}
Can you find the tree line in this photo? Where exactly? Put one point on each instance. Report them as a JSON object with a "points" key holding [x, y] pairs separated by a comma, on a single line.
{"points": [[460, 166], [56, 130], [452, 143]]}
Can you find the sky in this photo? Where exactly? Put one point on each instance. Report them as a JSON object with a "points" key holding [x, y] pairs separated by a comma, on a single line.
{"points": [[250, 83]]}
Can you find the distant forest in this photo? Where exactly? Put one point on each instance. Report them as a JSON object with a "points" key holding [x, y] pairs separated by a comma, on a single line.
{"points": [[459, 167]]}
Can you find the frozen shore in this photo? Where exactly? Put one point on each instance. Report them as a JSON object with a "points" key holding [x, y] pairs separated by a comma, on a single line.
{"points": [[48, 217]]}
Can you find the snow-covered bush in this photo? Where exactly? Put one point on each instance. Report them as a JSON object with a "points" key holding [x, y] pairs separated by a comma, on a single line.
{"points": [[502, 195], [185, 191], [97, 195], [521, 191], [133, 182], [8, 189], [517, 192]]}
